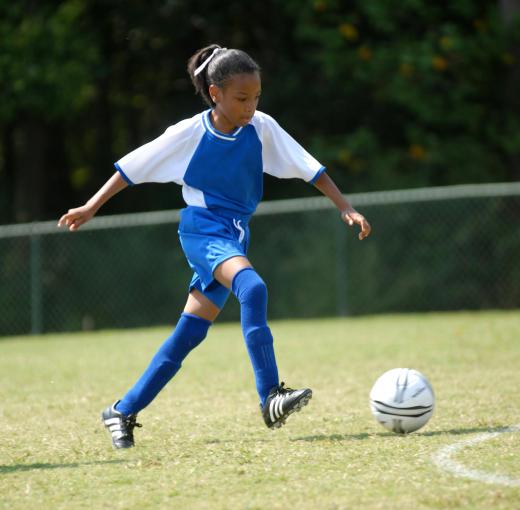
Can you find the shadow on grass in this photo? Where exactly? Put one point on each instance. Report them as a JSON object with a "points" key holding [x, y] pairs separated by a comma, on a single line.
{"points": [[340, 437], [366, 435], [16, 468], [233, 441]]}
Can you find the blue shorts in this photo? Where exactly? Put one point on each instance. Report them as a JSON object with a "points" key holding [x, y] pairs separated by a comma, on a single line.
{"points": [[208, 238]]}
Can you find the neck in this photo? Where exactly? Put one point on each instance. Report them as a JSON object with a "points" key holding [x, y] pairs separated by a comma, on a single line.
{"points": [[220, 122]]}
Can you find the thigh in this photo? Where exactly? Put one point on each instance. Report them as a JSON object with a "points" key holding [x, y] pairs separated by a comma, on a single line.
{"points": [[226, 271], [198, 304]]}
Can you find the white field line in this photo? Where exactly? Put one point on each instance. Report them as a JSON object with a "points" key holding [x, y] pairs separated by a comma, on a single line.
{"points": [[443, 460]]}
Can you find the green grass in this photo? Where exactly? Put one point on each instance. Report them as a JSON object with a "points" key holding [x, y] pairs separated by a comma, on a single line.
{"points": [[204, 446]]}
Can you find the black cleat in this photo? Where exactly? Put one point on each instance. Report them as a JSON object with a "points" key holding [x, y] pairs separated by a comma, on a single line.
{"points": [[282, 402], [121, 427]]}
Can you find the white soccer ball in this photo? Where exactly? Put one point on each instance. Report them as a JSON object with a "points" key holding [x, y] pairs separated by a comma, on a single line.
{"points": [[402, 400]]}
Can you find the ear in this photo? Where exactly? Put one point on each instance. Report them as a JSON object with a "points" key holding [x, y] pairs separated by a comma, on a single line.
{"points": [[215, 93]]}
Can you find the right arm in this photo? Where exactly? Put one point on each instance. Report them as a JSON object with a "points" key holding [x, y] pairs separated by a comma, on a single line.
{"points": [[74, 218], [161, 160]]}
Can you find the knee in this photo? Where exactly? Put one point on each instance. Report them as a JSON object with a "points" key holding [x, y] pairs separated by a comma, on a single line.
{"points": [[257, 292], [249, 287]]}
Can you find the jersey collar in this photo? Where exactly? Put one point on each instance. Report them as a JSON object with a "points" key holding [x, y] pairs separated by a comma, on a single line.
{"points": [[230, 137]]}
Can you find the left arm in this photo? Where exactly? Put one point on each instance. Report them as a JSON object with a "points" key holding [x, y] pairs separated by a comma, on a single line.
{"points": [[285, 158], [348, 214]]}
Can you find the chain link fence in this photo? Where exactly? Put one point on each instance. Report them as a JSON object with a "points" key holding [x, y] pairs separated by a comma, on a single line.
{"points": [[431, 249]]}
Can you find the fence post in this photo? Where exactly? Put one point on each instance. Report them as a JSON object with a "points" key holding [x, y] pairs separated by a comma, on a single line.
{"points": [[36, 284], [341, 269]]}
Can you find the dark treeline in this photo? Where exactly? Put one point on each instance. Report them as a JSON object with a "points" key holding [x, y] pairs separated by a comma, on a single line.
{"points": [[387, 94]]}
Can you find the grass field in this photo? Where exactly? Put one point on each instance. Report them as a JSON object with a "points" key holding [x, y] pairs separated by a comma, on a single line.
{"points": [[203, 444]]}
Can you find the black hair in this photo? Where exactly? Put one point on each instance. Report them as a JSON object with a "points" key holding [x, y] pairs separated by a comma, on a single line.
{"points": [[224, 64]]}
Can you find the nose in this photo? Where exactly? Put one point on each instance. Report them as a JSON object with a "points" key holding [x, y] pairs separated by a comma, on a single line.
{"points": [[251, 106]]}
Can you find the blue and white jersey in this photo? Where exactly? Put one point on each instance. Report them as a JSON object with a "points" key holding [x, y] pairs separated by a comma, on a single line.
{"points": [[218, 170]]}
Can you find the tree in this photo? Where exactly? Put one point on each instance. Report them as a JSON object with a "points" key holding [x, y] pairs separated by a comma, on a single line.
{"points": [[47, 65], [386, 94], [510, 10]]}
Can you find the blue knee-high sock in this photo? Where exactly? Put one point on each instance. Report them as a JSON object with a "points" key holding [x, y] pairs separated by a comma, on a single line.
{"points": [[251, 292], [189, 332]]}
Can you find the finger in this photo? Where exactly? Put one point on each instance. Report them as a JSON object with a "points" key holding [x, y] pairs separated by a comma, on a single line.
{"points": [[67, 219], [61, 221], [348, 219], [67, 222], [365, 230], [76, 223]]}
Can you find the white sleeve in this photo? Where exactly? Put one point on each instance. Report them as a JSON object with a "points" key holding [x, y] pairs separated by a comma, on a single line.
{"points": [[283, 156], [164, 159]]}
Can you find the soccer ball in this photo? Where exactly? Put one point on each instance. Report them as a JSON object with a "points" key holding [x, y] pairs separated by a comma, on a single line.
{"points": [[402, 400]]}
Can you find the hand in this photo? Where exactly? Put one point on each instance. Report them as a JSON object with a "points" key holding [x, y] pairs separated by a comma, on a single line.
{"points": [[351, 217], [74, 218]]}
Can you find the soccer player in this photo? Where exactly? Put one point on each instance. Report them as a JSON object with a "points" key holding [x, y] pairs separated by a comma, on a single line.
{"points": [[218, 157]]}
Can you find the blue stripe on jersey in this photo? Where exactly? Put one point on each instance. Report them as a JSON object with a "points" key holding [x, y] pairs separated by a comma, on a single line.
{"points": [[215, 132], [228, 172], [123, 175], [318, 173]]}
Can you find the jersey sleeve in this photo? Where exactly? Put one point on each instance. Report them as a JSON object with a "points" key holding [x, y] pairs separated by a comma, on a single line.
{"points": [[284, 157], [164, 159]]}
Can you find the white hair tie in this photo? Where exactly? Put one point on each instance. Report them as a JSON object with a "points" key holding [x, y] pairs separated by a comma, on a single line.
{"points": [[207, 61]]}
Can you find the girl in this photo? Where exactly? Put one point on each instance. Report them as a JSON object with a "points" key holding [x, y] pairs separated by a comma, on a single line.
{"points": [[218, 157]]}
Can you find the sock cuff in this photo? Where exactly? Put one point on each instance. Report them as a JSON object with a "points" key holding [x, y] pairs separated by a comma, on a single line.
{"points": [[192, 316]]}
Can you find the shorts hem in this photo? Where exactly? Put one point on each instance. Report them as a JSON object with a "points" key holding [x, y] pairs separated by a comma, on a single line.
{"points": [[208, 296], [215, 292], [221, 259]]}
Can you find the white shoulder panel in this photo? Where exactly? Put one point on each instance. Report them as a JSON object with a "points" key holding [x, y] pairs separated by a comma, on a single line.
{"points": [[166, 158], [282, 155]]}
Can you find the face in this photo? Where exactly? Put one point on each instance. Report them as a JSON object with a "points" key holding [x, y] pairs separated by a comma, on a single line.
{"points": [[238, 99]]}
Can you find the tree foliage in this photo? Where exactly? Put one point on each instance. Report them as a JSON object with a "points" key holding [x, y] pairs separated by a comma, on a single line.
{"points": [[386, 94], [47, 61], [419, 90]]}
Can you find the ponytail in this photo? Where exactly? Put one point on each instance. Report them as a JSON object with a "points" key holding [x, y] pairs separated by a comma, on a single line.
{"points": [[210, 67], [200, 81]]}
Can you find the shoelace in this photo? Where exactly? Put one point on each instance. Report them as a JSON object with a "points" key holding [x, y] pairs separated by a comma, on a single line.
{"points": [[282, 390], [130, 422]]}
